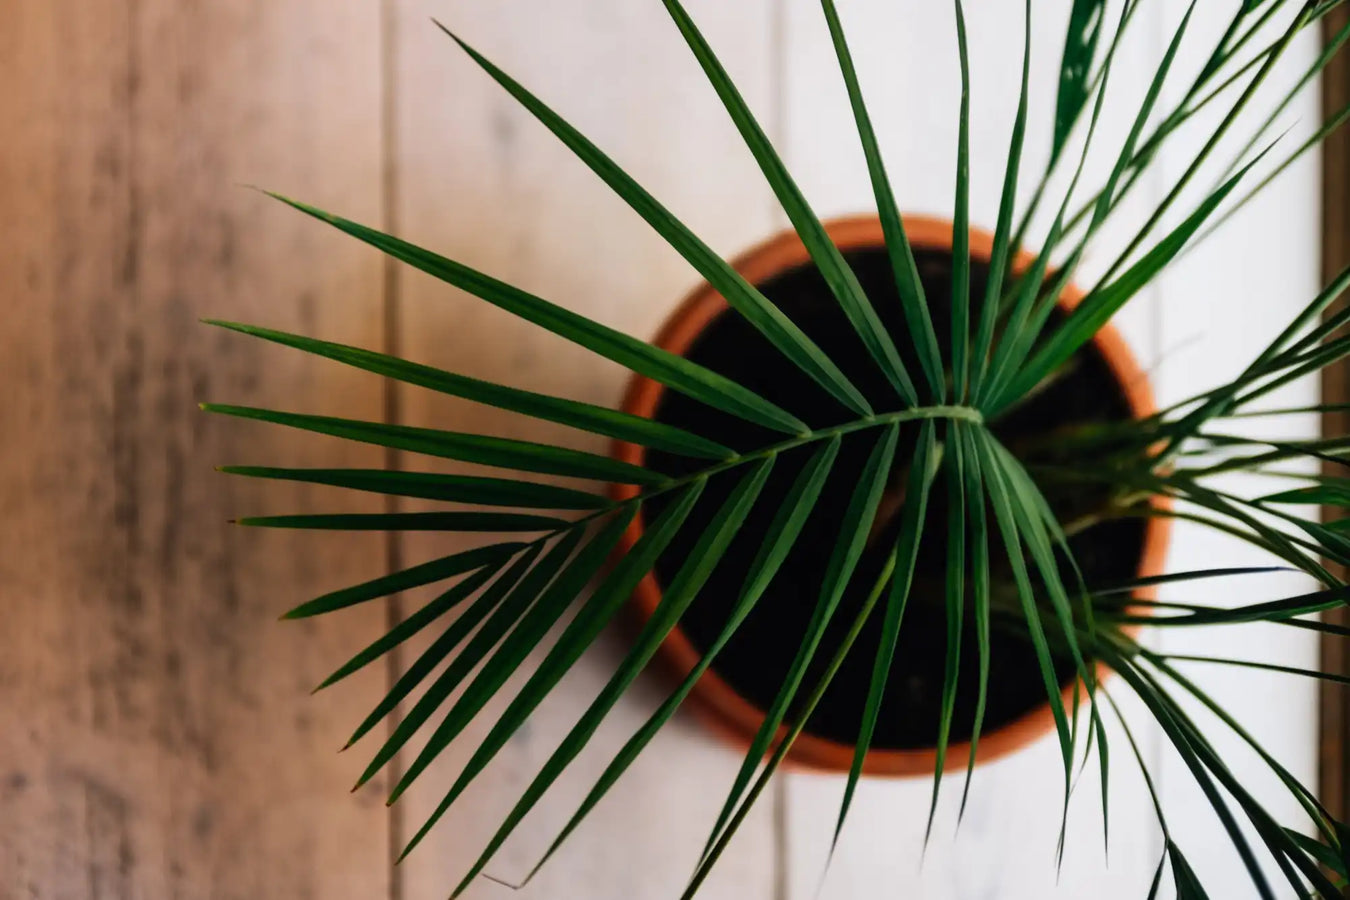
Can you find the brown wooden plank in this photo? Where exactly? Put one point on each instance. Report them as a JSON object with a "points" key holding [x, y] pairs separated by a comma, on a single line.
{"points": [[1335, 699], [481, 181], [156, 737]]}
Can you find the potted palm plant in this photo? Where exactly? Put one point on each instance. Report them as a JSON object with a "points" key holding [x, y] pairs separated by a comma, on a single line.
{"points": [[887, 494]]}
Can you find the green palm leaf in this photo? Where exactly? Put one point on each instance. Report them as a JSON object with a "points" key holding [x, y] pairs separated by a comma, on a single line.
{"points": [[744, 297], [960, 340], [522, 456], [836, 272], [781, 536], [1080, 47], [913, 301], [587, 417], [955, 585], [500, 602], [1095, 311], [422, 521], [546, 608], [416, 576], [675, 600], [673, 371], [1000, 255], [974, 494], [785, 745], [903, 560], [843, 560], [1001, 500], [526, 612], [489, 602], [470, 489], [580, 633], [414, 623]]}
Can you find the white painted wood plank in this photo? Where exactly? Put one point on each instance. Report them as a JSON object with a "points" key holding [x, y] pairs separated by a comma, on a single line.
{"points": [[482, 181], [906, 56], [1222, 305]]}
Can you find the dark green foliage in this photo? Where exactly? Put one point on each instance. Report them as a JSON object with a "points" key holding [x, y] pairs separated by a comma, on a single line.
{"points": [[1007, 561]]}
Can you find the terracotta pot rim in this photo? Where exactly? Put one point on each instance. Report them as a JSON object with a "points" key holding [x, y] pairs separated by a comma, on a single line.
{"points": [[713, 700]]}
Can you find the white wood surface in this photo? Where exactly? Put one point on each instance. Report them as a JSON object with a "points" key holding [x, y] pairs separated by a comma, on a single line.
{"points": [[1222, 304], [484, 182], [1207, 318]]}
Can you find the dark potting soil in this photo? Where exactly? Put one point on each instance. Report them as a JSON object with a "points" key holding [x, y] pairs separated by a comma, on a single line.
{"points": [[755, 661]]}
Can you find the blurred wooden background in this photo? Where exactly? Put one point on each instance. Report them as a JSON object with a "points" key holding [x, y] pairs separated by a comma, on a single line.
{"points": [[157, 737]]}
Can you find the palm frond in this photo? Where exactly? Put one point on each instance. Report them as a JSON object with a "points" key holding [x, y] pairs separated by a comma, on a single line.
{"points": [[1008, 533]]}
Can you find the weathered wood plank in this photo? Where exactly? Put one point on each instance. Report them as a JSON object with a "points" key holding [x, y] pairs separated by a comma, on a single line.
{"points": [[481, 180], [1334, 705], [156, 737]]}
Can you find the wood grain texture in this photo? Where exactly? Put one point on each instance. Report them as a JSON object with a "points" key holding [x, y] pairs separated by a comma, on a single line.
{"points": [[1334, 705], [156, 737], [482, 181], [156, 734]]}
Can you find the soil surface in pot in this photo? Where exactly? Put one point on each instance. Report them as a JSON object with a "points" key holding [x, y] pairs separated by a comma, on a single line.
{"points": [[756, 660]]}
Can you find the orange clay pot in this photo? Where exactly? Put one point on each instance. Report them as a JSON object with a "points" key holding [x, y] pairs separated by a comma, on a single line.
{"points": [[712, 699]]}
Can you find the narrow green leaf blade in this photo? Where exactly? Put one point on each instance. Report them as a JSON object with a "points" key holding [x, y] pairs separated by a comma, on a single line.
{"points": [[1035, 519], [517, 611], [1319, 851], [779, 540], [785, 745], [545, 611], [1175, 728], [1080, 48], [1263, 666], [905, 555], [585, 416], [1315, 810], [470, 489], [671, 370], [913, 302], [955, 589], [1271, 611], [1331, 494], [1000, 495], [1023, 324], [1001, 254], [522, 456], [976, 511], [675, 600], [1111, 193], [960, 346], [414, 623], [1187, 884], [742, 296], [854, 528], [415, 576], [580, 633], [454, 634], [1134, 584], [1094, 312], [420, 521], [835, 270]]}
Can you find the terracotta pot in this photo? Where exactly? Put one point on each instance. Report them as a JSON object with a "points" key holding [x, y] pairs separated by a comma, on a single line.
{"points": [[712, 699]]}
